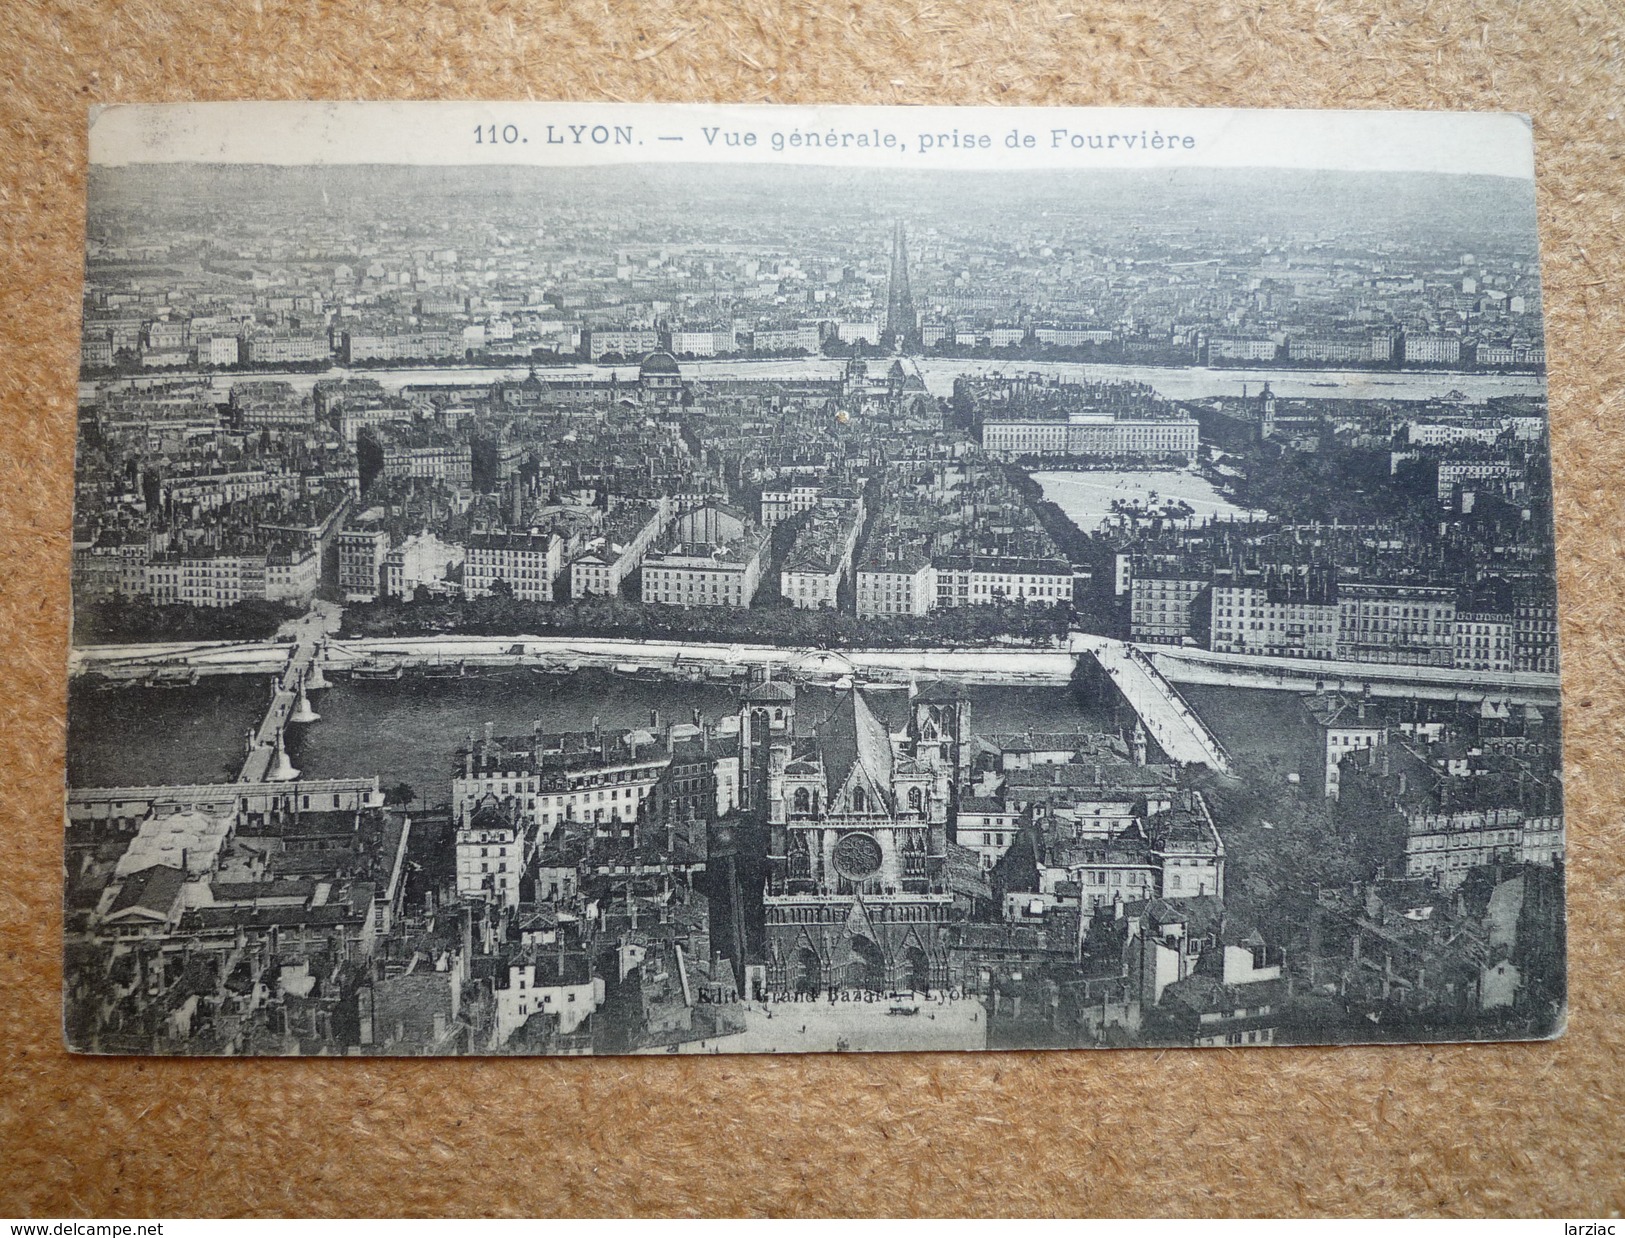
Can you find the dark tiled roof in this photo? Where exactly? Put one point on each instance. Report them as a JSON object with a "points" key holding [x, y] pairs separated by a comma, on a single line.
{"points": [[852, 735], [1107, 773], [338, 863], [1101, 746], [977, 936], [552, 966], [939, 691], [1121, 850], [980, 803], [1205, 995], [1198, 914], [964, 872], [891, 709], [152, 890], [770, 691], [1333, 709], [244, 891]]}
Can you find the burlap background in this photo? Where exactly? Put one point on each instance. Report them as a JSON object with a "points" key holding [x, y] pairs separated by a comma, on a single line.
{"points": [[1510, 1129]]}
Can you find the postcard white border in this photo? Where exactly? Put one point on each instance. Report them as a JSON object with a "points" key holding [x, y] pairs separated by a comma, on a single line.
{"points": [[570, 134]]}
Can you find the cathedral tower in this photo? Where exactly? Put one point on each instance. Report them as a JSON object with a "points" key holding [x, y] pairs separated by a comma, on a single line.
{"points": [[767, 717], [939, 725], [902, 322]]}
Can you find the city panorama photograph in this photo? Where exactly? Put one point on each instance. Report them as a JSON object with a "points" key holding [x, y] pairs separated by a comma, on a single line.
{"points": [[669, 606]]}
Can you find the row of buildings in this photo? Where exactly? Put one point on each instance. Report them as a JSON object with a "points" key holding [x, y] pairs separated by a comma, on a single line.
{"points": [[295, 918], [1039, 416], [1436, 551], [411, 336], [211, 342], [700, 550], [1311, 613], [1423, 347]]}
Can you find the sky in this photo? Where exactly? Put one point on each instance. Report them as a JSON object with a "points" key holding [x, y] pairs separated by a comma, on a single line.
{"points": [[568, 134]]}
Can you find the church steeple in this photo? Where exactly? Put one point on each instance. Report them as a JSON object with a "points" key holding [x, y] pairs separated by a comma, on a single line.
{"points": [[902, 321]]}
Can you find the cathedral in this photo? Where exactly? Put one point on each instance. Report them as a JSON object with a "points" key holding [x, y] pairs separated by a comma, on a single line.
{"points": [[902, 319], [857, 812]]}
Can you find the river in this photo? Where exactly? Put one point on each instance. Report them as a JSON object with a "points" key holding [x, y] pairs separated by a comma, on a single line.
{"points": [[408, 730], [1177, 383]]}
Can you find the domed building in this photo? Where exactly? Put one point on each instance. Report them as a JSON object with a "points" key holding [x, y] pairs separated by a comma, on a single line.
{"points": [[660, 381]]}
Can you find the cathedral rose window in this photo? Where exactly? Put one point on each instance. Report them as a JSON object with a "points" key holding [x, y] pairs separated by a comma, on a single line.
{"points": [[857, 856]]}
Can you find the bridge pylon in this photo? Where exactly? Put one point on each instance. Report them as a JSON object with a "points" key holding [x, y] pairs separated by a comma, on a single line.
{"points": [[282, 769], [302, 712]]}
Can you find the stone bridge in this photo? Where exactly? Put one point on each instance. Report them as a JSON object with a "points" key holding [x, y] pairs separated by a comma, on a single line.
{"points": [[1167, 717]]}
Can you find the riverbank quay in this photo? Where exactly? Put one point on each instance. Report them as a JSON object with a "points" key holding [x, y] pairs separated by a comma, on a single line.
{"points": [[673, 660], [1185, 665], [1175, 382], [685, 661]]}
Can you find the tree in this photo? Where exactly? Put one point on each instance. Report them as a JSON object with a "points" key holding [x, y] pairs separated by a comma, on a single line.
{"points": [[401, 794]]}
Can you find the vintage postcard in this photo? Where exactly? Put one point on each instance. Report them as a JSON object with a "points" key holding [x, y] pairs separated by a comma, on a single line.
{"points": [[600, 579]]}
